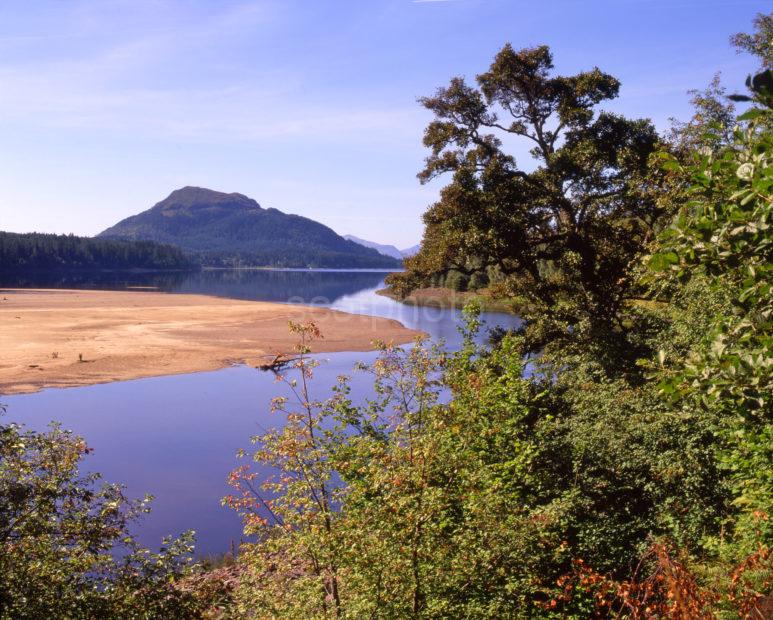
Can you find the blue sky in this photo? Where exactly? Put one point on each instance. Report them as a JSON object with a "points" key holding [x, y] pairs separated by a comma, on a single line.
{"points": [[306, 106]]}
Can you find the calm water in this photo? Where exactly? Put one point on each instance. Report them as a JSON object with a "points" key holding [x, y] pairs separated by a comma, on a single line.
{"points": [[175, 437]]}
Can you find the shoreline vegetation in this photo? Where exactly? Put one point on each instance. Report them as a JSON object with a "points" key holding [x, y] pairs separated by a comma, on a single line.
{"points": [[68, 338], [439, 297]]}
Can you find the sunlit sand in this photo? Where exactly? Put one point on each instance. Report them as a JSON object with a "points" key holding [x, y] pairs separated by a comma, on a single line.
{"points": [[64, 338]]}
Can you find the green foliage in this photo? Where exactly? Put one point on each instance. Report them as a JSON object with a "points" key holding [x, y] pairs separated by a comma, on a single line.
{"points": [[456, 281], [723, 235], [711, 125], [408, 507], [65, 546], [478, 280], [294, 570], [420, 526], [758, 42]]}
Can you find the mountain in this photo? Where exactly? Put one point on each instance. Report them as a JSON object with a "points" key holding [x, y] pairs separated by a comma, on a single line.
{"points": [[229, 230], [386, 250], [411, 251]]}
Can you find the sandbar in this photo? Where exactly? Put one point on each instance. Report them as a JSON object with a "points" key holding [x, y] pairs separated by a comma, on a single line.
{"points": [[67, 338]]}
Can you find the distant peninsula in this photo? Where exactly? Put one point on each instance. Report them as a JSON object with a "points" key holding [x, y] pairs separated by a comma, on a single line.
{"points": [[232, 230]]}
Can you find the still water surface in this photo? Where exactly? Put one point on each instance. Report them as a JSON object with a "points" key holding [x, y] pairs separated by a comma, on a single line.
{"points": [[176, 437]]}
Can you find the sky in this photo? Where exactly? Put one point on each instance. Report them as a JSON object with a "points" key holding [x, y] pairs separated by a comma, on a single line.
{"points": [[308, 106]]}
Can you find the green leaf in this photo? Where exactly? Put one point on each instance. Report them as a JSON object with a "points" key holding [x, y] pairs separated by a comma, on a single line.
{"points": [[663, 260], [750, 114]]}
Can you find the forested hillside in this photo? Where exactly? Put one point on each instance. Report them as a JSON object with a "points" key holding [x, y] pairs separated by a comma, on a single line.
{"points": [[45, 252], [232, 230]]}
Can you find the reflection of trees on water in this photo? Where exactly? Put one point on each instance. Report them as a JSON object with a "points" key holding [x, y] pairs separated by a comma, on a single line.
{"points": [[105, 280], [297, 286]]}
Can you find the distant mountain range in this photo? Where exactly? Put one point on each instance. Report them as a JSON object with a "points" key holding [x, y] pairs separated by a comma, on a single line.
{"points": [[386, 250], [233, 230], [411, 251]]}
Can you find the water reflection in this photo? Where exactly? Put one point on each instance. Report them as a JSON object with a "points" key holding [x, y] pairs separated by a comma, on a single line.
{"points": [[115, 280], [317, 287]]}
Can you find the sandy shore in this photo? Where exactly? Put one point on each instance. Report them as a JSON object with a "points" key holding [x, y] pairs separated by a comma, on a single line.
{"points": [[131, 334]]}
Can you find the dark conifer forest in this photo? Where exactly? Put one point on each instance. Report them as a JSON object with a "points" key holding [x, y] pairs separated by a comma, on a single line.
{"points": [[46, 252]]}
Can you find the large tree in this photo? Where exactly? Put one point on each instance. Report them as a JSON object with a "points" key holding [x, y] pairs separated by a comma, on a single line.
{"points": [[564, 230]]}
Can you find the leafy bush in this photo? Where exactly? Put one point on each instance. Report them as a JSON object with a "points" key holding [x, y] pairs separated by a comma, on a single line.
{"points": [[65, 546], [456, 281], [478, 280], [723, 235]]}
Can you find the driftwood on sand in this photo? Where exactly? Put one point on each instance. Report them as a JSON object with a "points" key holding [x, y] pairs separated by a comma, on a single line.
{"points": [[276, 362]]}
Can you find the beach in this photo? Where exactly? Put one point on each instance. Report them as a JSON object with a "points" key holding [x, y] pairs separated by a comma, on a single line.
{"points": [[66, 338]]}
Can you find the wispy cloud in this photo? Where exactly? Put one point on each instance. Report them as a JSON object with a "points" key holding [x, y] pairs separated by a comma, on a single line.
{"points": [[237, 113], [132, 87]]}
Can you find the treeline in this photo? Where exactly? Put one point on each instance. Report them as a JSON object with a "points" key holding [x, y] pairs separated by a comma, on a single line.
{"points": [[299, 256], [48, 252], [29, 252]]}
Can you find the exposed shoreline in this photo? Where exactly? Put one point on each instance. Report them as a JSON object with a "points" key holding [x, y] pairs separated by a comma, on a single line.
{"points": [[68, 338]]}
